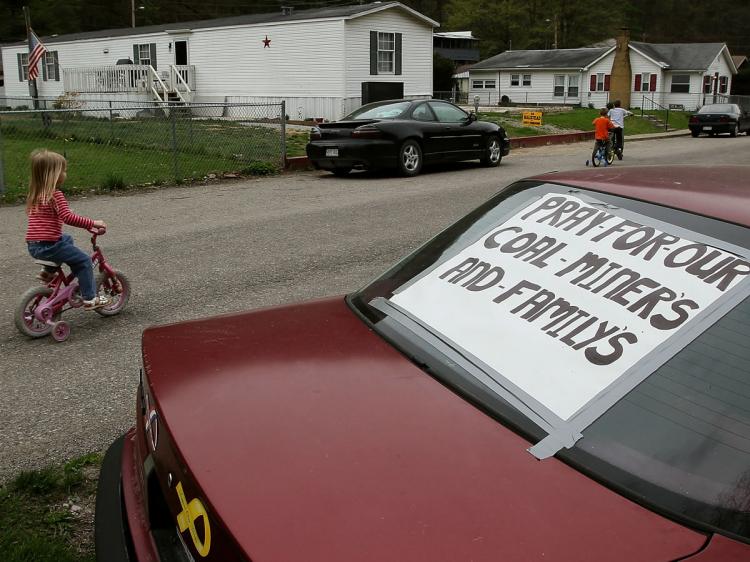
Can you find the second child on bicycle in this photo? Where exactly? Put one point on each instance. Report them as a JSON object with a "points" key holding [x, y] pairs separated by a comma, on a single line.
{"points": [[617, 115], [602, 126], [47, 210]]}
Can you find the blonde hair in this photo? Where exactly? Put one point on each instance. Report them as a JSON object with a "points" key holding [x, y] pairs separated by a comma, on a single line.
{"points": [[46, 169]]}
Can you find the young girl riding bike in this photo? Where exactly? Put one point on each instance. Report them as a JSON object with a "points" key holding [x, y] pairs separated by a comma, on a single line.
{"points": [[47, 210]]}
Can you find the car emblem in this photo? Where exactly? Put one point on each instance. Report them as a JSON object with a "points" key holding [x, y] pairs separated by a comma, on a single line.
{"points": [[191, 511], [152, 425]]}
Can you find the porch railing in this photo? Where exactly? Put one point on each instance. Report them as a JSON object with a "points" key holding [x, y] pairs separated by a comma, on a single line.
{"points": [[126, 78]]}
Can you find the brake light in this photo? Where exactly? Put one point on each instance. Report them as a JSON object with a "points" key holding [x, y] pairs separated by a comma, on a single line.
{"points": [[367, 132], [724, 119], [316, 134], [693, 119]]}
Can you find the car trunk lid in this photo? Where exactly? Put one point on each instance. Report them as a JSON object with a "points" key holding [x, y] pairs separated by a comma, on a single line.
{"points": [[312, 438], [342, 129]]}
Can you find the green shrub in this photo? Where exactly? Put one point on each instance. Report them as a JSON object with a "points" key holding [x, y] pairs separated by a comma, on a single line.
{"points": [[260, 169], [113, 182]]}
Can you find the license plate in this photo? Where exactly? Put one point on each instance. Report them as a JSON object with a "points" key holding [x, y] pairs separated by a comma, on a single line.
{"points": [[332, 152], [707, 128]]}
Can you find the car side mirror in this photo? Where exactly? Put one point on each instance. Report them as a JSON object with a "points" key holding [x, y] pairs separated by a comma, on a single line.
{"points": [[472, 117]]}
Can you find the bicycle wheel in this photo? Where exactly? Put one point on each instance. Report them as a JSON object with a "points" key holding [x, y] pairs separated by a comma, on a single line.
{"points": [[24, 317], [596, 157], [610, 157], [118, 293]]}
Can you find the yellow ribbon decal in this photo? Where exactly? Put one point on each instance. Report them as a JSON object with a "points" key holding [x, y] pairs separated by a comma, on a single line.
{"points": [[187, 517]]}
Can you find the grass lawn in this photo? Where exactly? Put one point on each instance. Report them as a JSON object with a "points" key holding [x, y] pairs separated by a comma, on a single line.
{"points": [[48, 515]]}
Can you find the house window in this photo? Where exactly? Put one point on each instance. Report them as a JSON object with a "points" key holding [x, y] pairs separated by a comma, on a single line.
{"points": [[144, 54], [24, 61], [573, 85], [559, 85], [600, 82], [680, 84], [514, 79], [645, 81], [723, 82], [527, 79], [706, 84], [386, 52], [49, 60], [483, 84]]}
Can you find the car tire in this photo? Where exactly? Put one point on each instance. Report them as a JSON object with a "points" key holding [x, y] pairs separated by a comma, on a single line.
{"points": [[694, 134], [410, 158], [341, 172], [734, 131], [492, 152]]}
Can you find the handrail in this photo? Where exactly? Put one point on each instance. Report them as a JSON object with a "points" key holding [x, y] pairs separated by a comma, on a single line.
{"points": [[164, 89], [175, 71], [658, 105]]}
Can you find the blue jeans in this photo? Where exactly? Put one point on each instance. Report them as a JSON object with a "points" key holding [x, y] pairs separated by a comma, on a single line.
{"points": [[65, 251]]}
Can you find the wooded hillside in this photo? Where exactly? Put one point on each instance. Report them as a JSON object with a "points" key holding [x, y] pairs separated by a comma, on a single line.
{"points": [[500, 24]]}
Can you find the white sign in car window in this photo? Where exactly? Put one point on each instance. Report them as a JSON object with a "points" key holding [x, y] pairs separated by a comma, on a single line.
{"points": [[563, 297]]}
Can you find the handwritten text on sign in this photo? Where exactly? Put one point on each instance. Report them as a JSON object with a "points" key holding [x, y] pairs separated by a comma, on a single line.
{"points": [[564, 296]]}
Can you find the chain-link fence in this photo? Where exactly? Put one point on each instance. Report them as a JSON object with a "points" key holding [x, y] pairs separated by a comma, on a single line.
{"points": [[109, 146]]}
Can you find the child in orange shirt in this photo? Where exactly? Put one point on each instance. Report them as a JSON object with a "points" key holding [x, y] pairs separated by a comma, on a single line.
{"points": [[602, 126]]}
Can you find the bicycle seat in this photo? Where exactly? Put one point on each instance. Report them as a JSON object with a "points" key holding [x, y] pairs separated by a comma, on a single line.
{"points": [[47, 263]]}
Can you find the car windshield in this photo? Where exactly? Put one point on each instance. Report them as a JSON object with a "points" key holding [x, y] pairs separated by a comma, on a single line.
{"points": [[379, 111], [718, 108], [544, 285]]}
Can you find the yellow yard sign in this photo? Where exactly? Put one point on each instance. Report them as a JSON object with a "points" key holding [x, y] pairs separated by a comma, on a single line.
{"points": [[532, 118]]}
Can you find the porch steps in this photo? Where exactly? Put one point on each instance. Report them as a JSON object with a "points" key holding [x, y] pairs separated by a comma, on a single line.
{"points": [[658, 122]]}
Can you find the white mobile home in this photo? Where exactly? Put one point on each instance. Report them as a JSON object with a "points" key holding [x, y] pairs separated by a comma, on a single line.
{"points": [[319, 61]]}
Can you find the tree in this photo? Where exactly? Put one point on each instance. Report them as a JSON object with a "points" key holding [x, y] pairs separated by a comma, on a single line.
{"points": [[442, 73]]}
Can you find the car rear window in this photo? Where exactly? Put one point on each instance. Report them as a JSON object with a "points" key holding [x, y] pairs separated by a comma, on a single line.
{"points": [[718, 108], [385, 111], [668, 424]]}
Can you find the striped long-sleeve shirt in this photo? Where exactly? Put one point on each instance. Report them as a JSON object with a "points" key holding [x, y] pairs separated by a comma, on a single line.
{"points": [[46, 220]]}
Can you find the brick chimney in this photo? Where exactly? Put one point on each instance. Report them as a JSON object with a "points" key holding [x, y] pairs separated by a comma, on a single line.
{"points": [[621, 80]]}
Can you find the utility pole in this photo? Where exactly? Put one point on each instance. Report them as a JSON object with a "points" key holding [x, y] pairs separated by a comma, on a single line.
{"points": [[554, 45], [132, 13], [32, 83]]}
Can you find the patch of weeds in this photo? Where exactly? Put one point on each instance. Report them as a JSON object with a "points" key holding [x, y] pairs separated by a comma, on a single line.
{"points": [[260, 169], [113, 182], [46, 515]]}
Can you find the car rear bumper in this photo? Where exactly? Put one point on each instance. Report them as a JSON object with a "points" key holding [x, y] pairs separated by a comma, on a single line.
{"points": [[121, 532], [712, 127], [352, 154]]}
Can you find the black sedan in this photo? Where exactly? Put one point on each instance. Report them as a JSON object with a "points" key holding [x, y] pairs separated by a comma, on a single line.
{"points": [[720, 118], [405, 134]]}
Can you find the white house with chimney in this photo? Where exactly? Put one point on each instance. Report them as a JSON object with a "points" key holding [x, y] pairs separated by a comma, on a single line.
{"points": [[323, 62], [649, 75]]}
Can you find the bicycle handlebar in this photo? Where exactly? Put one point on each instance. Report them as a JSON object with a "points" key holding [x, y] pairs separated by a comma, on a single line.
{"points": [[97, 231]]}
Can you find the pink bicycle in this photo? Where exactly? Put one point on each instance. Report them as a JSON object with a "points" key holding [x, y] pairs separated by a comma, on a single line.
{"points": [[39, 310]]}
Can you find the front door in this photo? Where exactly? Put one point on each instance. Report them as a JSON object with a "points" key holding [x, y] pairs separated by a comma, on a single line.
{"points": [[181, 59]]}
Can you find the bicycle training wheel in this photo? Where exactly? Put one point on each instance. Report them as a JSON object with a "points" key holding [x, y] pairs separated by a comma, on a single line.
{"points": [[117, 290], [24, 317], [596, 157]]}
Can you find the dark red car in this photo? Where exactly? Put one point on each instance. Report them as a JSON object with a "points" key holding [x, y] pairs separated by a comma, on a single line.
{"points": [[563, 374]]}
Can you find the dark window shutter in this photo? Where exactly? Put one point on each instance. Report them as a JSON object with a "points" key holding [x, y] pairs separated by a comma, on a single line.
{"points": [[373, 52], [592, 86], [152, 46], [57, 66], [637, 83], [43, 62], [606, 82], [652, 85], [136, 55], [397, 64], [20, 68]]}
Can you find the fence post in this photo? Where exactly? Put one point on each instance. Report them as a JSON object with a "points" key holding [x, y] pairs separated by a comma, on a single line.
{"points": [[283, 134], [65, 134], [111, 123], [2, 153], [172, 118]]}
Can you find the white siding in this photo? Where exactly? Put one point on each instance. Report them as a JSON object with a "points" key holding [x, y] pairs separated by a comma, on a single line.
{"points": [[416, 49], [597, 99], [638, 65], [690, 100], [486, 96]]}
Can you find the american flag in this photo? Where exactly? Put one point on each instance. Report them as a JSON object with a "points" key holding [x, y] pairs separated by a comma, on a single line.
{"points": [[36, 50]]}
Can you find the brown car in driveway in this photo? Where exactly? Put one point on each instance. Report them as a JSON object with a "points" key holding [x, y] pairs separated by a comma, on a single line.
{"points": [[563, 374]]}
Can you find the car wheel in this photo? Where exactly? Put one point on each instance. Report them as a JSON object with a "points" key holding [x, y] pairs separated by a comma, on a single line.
{"points": [[733, 132], [694, 133], [410, 158], [341, 172], [492, 152]]}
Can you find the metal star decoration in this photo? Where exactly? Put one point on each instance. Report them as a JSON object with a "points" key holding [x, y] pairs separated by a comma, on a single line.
{"points": [[266, 42]]}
